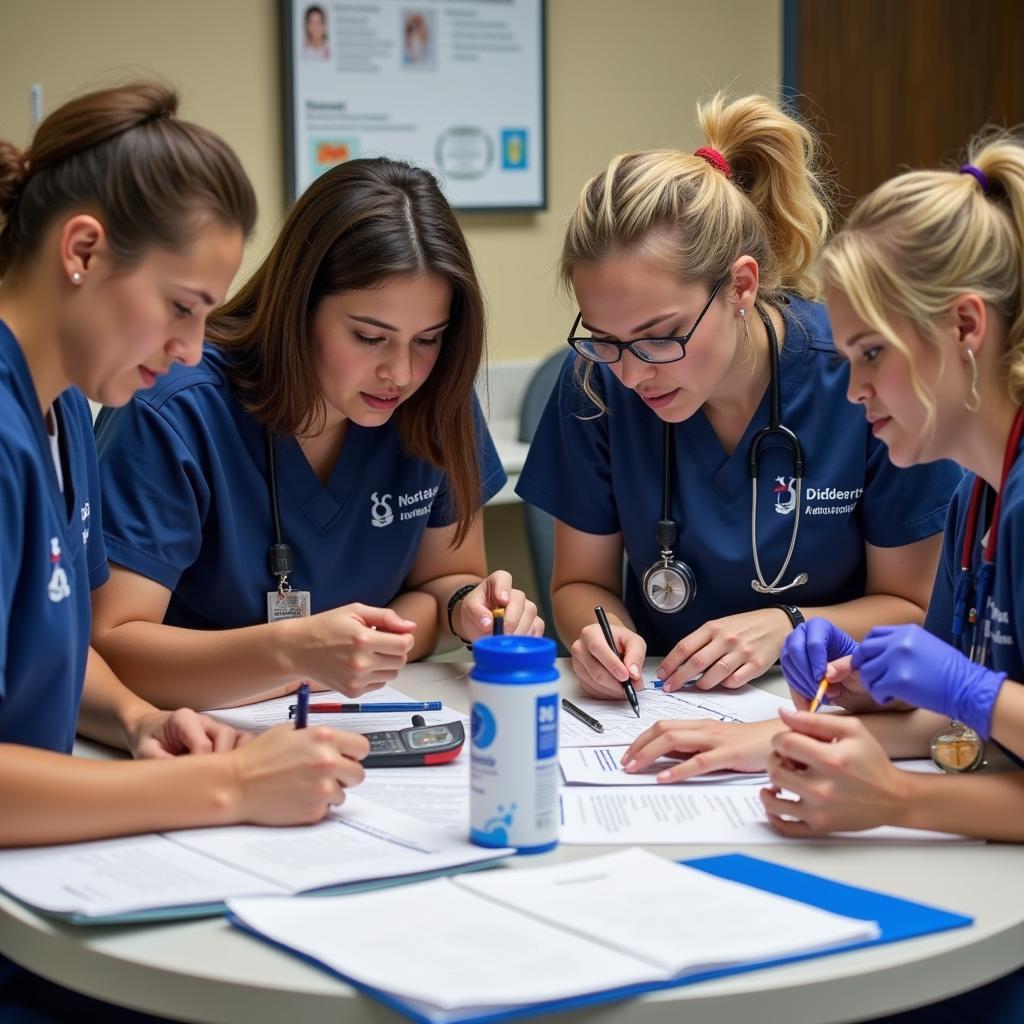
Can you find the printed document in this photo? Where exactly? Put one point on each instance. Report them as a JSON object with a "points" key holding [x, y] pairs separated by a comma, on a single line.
{"points": [[725, 815], [747, 704]]}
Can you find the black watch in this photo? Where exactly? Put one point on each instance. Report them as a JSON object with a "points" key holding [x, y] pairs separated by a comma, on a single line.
{"points": [[793, 613], [452, 602]]}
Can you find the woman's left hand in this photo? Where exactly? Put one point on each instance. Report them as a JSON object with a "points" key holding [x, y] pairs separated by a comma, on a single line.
{"points": [[163, 734], [839, 773], [729, 651], [476, 610]]}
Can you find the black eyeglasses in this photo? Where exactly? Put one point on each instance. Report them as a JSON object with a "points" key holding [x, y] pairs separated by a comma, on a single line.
{"points": [[650, 350]]}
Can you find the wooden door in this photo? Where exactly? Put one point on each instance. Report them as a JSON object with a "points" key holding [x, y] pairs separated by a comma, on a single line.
{"points": [[892, 84]]}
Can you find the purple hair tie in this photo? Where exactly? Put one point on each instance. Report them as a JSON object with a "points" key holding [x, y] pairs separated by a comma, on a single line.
{"points": [[979, 175]]}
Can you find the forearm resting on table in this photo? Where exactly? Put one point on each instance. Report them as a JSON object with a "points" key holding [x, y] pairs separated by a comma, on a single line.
{"points": [[53, 798], [904, 733], [989, 805], [174, 667], [859, 616]]}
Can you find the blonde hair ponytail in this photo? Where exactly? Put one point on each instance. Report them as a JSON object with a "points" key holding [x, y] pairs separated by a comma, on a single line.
{"points": [[687, 214], [774, 161], [920, 240]]}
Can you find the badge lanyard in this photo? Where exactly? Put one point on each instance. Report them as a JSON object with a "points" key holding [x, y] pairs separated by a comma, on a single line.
{"points": [[959, 748], [974, 608], [283, 603]]}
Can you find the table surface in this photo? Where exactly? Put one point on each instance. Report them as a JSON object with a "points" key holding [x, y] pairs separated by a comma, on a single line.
{"points": [[204, 970]]}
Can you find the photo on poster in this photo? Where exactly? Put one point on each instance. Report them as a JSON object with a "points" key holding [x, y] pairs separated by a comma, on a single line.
{"points": [[455, 86]]}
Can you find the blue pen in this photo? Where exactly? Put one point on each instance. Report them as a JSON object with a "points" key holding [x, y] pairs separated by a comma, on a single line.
{"points": [[331, 708], [301, 710]]}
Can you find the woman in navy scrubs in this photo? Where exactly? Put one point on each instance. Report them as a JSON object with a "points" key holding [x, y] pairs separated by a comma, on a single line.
{"points": [[925, 295], [935, 349], [347, 361], [121, 228], [708, 256]]}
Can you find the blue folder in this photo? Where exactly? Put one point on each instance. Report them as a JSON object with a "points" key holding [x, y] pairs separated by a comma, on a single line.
{"points": [[896, 919]]}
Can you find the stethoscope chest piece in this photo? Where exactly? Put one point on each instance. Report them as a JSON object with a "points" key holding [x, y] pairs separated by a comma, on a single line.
{"points": [[669, 585], [958, 748]]}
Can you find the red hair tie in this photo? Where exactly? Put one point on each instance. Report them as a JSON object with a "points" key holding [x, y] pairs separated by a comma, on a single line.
{"points": [[714, 158]]}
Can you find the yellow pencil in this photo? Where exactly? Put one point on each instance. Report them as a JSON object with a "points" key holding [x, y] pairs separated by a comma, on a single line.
{"points": [[819, 696]]}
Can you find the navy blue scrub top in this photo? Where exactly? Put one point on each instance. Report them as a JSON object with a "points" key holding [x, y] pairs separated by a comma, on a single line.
{"points": [[51, 555], [183, 468], [1004, 653], [603, 475]]}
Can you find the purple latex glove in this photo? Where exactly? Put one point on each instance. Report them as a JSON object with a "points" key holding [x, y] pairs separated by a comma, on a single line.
{"points": [[808, 650], [908, 663]]}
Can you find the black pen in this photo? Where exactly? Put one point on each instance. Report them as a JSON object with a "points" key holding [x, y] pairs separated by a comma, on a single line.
{"points": [[602, 620], [582, 715]]}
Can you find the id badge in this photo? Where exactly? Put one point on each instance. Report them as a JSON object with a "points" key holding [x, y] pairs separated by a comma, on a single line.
{"points": [[292, 604]]}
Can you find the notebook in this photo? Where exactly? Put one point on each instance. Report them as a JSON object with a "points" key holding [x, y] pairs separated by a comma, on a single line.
{"points": [[191, 873], [509, 944]]}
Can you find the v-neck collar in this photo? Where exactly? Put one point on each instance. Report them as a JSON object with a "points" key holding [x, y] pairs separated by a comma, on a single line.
{"points": [[730, 474], [321, 502], [296, 479], [24, 389]]}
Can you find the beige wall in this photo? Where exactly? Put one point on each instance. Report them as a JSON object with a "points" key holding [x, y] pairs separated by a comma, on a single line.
{"points": [[621, 74]]}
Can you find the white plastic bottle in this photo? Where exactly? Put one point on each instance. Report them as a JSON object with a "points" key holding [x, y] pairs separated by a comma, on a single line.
{"points": [[514, 774]]}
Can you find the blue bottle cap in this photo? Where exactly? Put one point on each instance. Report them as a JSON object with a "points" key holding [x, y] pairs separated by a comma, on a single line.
{"points": [[514, 659]]}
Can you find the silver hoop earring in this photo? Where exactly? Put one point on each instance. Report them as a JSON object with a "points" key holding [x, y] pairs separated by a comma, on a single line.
{"points": [[972, 403], [76, 278]]}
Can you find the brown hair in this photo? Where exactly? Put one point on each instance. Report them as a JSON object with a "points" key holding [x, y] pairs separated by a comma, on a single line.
{"points": [[356, 226], [122, 153]]}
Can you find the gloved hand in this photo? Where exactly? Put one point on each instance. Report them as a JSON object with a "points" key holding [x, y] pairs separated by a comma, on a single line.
{"points": [[909, 663], [808, 650]]}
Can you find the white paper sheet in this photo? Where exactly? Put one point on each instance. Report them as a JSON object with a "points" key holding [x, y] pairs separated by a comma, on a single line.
{"points": [[119, 876], [600, 766], [633, 901], [359, 841], [723, 815], [747, 704], [437, 793], [463, 952]]}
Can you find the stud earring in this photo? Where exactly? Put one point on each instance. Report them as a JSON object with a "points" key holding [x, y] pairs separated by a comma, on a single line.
{"points": [[76, 278], [742, 312]]}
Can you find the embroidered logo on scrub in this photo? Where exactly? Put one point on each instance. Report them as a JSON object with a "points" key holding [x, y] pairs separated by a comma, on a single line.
{"points": [[57, 589], [380, 510], [411, 506], [785, 495]]}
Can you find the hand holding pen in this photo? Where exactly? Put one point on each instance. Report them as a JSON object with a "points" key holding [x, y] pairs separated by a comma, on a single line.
{"points": [[603, 667], [606, 629]]}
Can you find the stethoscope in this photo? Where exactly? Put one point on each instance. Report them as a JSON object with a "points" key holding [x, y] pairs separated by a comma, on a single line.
{"points": [[959, 748], [669, 585], [972, 594]]}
